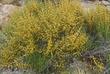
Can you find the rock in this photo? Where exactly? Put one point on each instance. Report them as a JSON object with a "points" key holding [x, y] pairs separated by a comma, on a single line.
{"points": [[17, 72], [88, 5], [7, 9], [5, 12], [105, 3], [14, 2], [6, 1]]}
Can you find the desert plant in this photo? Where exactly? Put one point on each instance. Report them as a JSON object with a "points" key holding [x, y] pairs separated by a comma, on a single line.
{"points": [[98, 21], [44, 33], [46, 36], [97, 26]]}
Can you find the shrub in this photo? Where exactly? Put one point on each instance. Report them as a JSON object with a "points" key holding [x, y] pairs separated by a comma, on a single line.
{"points": [[46, 36], [97, 23], [44, 33]]}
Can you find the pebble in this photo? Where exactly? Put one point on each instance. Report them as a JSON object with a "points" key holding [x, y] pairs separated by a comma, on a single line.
{"points": [[5, 11]]}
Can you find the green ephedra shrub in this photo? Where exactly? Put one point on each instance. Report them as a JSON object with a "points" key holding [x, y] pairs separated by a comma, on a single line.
{"points": [[41, 35]]}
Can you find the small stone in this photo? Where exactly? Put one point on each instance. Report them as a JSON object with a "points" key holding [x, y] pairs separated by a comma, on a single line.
{"points": [[5, 12], [106, 3]]}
